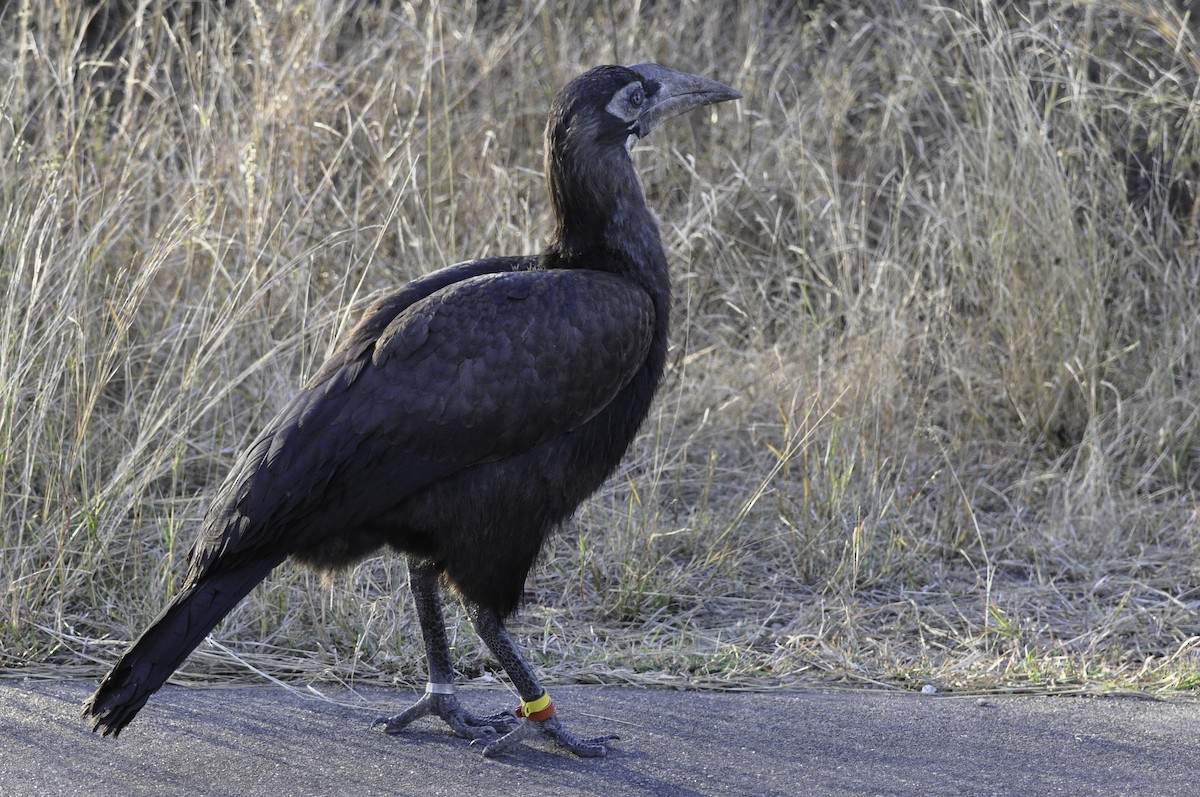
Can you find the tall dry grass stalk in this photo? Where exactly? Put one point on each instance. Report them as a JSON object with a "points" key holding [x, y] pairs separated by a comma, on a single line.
{"points": [[932, 408]]}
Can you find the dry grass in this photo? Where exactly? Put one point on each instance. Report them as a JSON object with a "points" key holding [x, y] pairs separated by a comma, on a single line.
{"points": [[933, 406]]}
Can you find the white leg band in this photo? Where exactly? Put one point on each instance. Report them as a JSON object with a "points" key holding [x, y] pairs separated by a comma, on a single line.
{"points": [[439, 689]]}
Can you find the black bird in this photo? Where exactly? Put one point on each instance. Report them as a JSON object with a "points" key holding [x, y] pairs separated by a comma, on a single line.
{"points": [[466, 416]]}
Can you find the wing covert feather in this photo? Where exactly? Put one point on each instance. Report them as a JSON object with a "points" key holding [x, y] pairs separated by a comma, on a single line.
{"points": [[485, 367]]}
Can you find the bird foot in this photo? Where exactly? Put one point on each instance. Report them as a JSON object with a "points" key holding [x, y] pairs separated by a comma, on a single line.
{"points": [[461, 721], [596, 747]]}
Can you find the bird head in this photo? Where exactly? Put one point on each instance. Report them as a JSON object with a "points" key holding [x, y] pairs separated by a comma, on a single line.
{"points": [[618, 104], [594, 122]]}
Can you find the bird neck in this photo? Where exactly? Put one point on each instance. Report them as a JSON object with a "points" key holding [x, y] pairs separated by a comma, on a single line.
{"points": [[602, 221]]}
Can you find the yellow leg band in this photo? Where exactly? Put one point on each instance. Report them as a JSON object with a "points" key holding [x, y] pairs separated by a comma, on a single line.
{"points": [[534, 706], [538, 710]]}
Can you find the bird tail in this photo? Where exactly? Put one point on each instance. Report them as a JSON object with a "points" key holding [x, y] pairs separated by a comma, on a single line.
{"points": [[163, 646]]}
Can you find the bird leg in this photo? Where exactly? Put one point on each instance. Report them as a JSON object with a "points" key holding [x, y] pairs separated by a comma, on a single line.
{"points": [[536, 712], [439, 697]]}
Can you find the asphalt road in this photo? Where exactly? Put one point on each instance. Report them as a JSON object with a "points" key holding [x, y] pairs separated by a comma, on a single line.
{"points": [[270, 741]]}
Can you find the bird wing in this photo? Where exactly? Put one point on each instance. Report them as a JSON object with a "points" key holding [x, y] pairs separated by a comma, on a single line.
{"points": [[483, 368]]}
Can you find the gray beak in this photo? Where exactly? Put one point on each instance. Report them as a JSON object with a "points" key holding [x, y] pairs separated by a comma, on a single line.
{"points": [[676, 93]]}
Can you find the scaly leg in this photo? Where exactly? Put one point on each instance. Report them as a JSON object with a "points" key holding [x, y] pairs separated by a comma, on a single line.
{"points": [[439, 697], [536, 710]]}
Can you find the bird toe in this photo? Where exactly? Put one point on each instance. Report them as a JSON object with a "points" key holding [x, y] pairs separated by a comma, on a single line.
{"points": [[595, 747], [461, 721]]}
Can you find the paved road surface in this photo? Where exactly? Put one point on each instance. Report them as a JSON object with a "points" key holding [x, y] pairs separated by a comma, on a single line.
{"points": [[269, 741]]}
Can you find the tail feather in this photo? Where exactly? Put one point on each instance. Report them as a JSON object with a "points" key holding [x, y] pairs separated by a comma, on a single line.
{"points": [[163, 646]]}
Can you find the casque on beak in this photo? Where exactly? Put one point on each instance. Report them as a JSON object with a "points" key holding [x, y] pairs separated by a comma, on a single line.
{"points": [[670, 93]]}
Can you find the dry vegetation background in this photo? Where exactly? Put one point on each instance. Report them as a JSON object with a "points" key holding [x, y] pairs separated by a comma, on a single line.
{"points": [[932, 412]]}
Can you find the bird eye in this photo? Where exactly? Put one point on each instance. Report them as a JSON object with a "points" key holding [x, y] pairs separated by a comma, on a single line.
{"points": [[636, 98]]}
